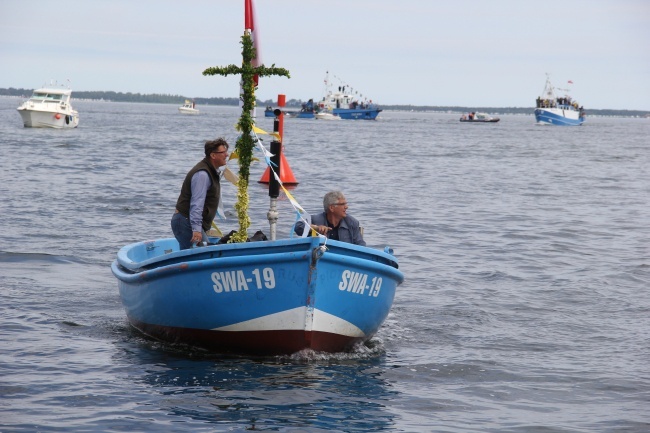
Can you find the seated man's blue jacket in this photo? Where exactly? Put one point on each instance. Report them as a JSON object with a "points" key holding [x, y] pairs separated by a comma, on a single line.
{"points": [[349, 230]]}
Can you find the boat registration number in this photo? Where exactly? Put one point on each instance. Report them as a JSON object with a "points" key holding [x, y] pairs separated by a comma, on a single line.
{"points": [[235, 281], [357, 282]]}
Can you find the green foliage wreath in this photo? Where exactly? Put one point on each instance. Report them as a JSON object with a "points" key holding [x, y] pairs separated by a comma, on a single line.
{"points": [[245, 143]]}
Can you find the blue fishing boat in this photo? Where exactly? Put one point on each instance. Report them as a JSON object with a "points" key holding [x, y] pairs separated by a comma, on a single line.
{"points": [[302, 114], [344, 102], [553, 110], [263, 297], [267, 297], [307, 111]]}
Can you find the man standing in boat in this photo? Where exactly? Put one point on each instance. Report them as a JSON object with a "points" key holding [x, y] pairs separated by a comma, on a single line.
{"points": [[198, 201], [335, 223]]}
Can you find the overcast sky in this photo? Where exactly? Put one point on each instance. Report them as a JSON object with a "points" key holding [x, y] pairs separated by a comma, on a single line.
{"points": [[419, 52]]}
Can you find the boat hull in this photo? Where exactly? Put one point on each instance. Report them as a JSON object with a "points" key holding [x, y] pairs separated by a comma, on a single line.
{"points": [[558, 116], [340, 113], [326, 116], [189, 107], [58, 119], [184, 110], [288, 113], [299, 114], [356, 113], [480, 121], [273, 297]]}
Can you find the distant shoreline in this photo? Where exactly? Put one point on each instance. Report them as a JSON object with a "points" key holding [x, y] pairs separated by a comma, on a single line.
{"points": [[178, 99]]}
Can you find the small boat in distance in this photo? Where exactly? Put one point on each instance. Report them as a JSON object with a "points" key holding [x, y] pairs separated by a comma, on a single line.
{"points": [[270, 112], [49, 107], [326, 115], [189, 107], [307, 111], [343, 103], [553, 110], [478, 117]]}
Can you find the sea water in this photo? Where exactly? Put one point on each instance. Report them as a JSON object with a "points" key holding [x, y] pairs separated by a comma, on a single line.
{"points": [[525, 250]]}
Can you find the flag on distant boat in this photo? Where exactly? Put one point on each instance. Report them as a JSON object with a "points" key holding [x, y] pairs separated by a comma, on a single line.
{"points": [[570, 82]]}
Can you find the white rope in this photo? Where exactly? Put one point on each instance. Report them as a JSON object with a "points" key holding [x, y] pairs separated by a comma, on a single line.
{"points": [[300, 211]]}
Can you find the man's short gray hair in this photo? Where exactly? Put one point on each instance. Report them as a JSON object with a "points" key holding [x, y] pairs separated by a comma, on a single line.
{"points": [[331, 198]]}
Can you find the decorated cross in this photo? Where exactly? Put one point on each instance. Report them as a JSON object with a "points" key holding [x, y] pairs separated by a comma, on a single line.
{"points": [[245, 143]]}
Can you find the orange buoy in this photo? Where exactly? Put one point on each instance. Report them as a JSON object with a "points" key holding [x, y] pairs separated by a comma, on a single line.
{"points": [[286, 175], [58, 116]]}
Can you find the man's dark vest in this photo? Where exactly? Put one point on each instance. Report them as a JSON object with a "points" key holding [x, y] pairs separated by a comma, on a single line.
{"points": [[211, 198]]}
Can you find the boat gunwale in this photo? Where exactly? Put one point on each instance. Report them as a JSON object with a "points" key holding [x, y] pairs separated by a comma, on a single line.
{"points": [[238, 250], [144, 274]]}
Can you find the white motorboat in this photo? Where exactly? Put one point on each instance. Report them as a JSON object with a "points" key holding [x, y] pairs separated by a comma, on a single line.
{"points": [[478, 117], [49, 107], [326, 115], [189, 107]]}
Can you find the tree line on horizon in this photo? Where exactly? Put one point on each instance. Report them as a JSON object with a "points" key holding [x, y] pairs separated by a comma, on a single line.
{"points": [[157, 98]]}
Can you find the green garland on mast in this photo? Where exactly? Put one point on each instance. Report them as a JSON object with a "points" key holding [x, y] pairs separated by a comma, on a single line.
{"points": [[245, 143]]}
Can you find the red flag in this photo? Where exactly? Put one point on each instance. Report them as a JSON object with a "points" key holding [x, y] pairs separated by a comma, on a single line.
{"points": [[570, 82], [249, 24]]}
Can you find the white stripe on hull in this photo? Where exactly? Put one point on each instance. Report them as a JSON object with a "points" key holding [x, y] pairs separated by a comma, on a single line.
{"points": [[298, 319]]}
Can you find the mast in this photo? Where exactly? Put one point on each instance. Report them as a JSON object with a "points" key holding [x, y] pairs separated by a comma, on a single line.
{"points": [[245, 142]]}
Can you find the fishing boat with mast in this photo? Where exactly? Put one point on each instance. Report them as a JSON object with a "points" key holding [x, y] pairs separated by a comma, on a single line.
{"points": [[558, 110], [346, 103], [276, 296]]}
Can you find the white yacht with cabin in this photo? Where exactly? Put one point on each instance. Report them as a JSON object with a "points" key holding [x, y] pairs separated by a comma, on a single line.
{"points": [[49, 107]]}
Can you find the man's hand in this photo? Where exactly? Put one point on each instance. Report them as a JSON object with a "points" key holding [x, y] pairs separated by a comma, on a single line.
{"points": [[321, 229]]}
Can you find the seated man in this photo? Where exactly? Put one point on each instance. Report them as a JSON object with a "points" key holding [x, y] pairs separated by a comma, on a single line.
{"points": [[335, 223]]}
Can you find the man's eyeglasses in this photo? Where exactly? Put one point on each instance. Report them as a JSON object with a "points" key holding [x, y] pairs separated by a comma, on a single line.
{"points": [[340, 204], [223, 151]]}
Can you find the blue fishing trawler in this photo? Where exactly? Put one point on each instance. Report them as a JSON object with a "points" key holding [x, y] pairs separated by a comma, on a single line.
{"points": [[553, 110], [342, 102]]}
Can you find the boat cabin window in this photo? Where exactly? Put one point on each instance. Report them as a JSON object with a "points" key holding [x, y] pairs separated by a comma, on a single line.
{"points": [[48, 96]]}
